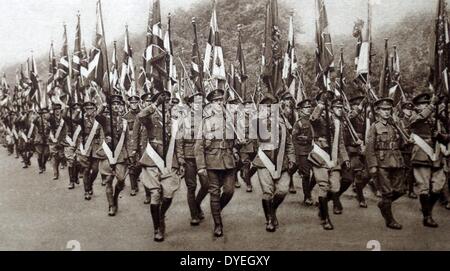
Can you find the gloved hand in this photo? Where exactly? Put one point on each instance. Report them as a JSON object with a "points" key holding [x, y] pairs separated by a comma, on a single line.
{"points": [[373, 172]]}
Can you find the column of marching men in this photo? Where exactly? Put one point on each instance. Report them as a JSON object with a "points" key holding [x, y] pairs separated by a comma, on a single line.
{"points": [[396, 166]]}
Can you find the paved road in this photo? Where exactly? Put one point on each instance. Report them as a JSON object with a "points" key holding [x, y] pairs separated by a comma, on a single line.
{"points": [[37, 213]]}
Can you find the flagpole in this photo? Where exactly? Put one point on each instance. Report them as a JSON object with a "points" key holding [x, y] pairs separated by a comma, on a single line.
{"points": [[109, 80]]}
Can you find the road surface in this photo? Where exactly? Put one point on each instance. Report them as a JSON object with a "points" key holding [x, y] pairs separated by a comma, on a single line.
{"points": [[38, 213]]}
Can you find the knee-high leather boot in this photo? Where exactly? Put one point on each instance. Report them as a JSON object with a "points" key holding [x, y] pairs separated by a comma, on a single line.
{"points": [[155, 210]]}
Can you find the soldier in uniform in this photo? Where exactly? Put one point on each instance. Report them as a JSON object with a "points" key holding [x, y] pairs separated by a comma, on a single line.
{"points": [[160, 178], [287, 109], [406, 148], [26, 148], [56, 135], [40, 136], [112, 158], [187, 141], [134, 169], [275, 158], [427, 167], [385, 161], [89, 143], [357, 173], [247, 151], [72, 132], [328, 159], [139, 142], [215, 157], [302, 138]]}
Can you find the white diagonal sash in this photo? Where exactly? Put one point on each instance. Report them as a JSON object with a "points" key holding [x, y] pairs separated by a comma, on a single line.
{"points": [[112, 157], [30, 131], [84, 149], [73, 141], [276, 174], [55, 137], [323, 154], [169, 155], [15, 133], [22, 134], [432, 154]]}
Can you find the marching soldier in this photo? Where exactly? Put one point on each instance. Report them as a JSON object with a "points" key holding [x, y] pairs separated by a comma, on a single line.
{"points": [[133, 168], [88, 144], [55, 136], [328, 158], [40, 137], [406, 148], [139, 142], [187, 141], [357, 173], [275, 158], [247, 151], [287, 108], [302, 138], [385, 161], [427, 161], [215, 157], [112, 159], [72, 133], [159, 172]]}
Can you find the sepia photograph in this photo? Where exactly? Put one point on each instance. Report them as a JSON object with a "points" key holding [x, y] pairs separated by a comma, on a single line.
{"points": [[224, 126]]}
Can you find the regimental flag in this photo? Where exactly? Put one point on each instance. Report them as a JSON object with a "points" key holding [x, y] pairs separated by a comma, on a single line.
{"points": [[34, 77], [213, 29], [97, 60], [273, 55], [218, 64], [196, 63], [340, 84], [155, 53], [385, 77], [4, 86], [52, 69], [240, 75], [114, 73], [290, 60], [395, 90], [77, 54], [324, 49], [363, 32], [84, 64], [171, 68], [63, 65], [439, 51], [127, 76]]}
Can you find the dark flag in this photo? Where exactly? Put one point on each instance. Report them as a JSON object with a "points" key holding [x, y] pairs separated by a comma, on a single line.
{"points": [[52, 69], [240, 75], [324, 50], [273, 55], [97, 63], [63, 65], [127, 77], [196, 63]]}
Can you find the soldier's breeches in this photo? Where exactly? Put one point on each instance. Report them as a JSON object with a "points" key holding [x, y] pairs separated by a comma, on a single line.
{"points": [[271, 187], [159, 187], [218, 179], [327, 180], [390, 180], [426, 176], [190, 178], [70, 155], [120, 170], [134, 172]]}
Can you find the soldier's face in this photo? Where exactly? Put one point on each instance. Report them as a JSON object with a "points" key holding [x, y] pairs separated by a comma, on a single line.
{"points": [[89, 111], [46, 116], [115, 107], [407, 112], [337, 110], [134, 105], [384, 113], [421, 106], [306, 110], [57, 112]]}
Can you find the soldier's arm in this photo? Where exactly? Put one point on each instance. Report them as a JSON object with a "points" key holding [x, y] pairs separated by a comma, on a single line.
{"points": [[426, 113], [370, 148], [343, 148], [290, 152], [199, 151], [135, 136], [148, 111], [317, 113]]}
